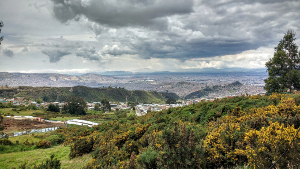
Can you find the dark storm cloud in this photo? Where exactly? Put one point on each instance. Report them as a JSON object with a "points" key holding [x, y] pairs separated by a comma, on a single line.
{"points": [[56, 48], [55, 55], [8, 52], [118, 13], [182, 29]]}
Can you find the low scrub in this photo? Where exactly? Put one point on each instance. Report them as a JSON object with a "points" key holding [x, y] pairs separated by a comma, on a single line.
{"points": [[43, 144]]}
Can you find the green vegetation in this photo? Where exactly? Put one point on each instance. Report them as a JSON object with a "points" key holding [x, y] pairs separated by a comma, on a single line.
{"points": [[62, 118], [284, 68], [60, 94], [106, 106], [171, 101], [30, 138], [247, 131], [36, 157], [244, 131], [75, 106], [19, 111], [53, 108]]}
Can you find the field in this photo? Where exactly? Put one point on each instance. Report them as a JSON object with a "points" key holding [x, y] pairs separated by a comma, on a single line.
{"points": [[13, 125], [35, 157], [10, 112], [64, 118]]}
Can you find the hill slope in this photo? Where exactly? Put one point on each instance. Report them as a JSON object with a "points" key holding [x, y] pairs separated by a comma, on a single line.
{"points": [[252, 130], [88, 94], [207, 90]]}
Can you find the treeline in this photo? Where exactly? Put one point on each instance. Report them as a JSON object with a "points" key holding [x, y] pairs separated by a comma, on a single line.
{"points": [[60, 94], [245, 130]]}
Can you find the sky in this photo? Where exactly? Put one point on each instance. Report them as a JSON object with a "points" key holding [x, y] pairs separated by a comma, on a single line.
{"points": [[92, 36]]}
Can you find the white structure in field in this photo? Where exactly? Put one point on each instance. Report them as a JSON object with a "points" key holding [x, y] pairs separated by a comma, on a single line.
{"points": [[82, 122]]}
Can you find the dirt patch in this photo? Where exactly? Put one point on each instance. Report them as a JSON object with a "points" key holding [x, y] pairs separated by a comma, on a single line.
{"points": [[13, 125]]}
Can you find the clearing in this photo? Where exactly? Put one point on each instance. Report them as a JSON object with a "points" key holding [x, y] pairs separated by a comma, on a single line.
{"points": [[14, 125]]}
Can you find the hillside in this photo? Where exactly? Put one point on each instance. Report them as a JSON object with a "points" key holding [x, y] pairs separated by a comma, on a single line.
{"points": [[204, 92], [245, 130], [60, 94]]}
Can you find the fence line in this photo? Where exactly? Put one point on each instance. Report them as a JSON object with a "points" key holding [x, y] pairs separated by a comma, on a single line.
{"points": [[15, 134]]}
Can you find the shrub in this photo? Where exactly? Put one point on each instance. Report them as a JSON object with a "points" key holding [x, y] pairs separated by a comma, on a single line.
{"points": [[55, 139], [148, 159], [52, 163], [5, 142], [43, 144], [81, 146]]}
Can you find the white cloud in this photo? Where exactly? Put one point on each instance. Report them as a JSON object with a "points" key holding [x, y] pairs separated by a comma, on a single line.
{"points": [[143, 35]]}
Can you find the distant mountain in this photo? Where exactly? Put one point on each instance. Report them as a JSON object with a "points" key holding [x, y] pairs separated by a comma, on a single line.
{"points": [[54, 80], [207, 90], [51, 94]]}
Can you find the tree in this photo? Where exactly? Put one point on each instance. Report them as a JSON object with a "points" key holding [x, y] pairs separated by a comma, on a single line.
{"points": [[105, 105], [1, 37], [54, 108], [75, 105], [171, 101], [97, 107], [39, 101], [284, 67], [1, 126], [46, 98]]}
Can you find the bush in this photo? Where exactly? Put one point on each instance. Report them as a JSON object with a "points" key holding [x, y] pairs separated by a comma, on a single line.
{"points": [[55, 139], [43, 144], [5, 142], [131, 115], [148, 159], [52, 163], [81, 146]]}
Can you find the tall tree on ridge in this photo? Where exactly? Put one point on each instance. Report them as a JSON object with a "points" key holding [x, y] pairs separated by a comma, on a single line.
{"points": [[284, 67]]}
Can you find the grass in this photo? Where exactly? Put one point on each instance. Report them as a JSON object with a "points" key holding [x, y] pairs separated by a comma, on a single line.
{"points": [[23, 138], [98, 120], [20, 147], [36, 157], [21, 113], [64, 118], [7, 149]]}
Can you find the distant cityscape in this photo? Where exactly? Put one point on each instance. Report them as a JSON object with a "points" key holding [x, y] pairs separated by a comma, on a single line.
{"points": [[180, 83]]}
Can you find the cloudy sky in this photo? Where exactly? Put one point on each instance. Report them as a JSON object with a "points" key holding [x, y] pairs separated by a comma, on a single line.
{"points": [[80, 36]]}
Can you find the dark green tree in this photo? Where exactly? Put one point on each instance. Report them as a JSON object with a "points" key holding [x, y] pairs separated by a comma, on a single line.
{"points": [[1, 37], [46, 98], [54, 108], [171, 101], [1, 126], [105, 105], [97, 107], [39, 101], [75, 105], [284, 67]]}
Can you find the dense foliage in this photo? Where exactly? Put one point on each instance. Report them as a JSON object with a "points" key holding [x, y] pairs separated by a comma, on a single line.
{"points": [[60, 94], [75, 105], [105, 105], [284, 67], [251, 130], [54, 108]]}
